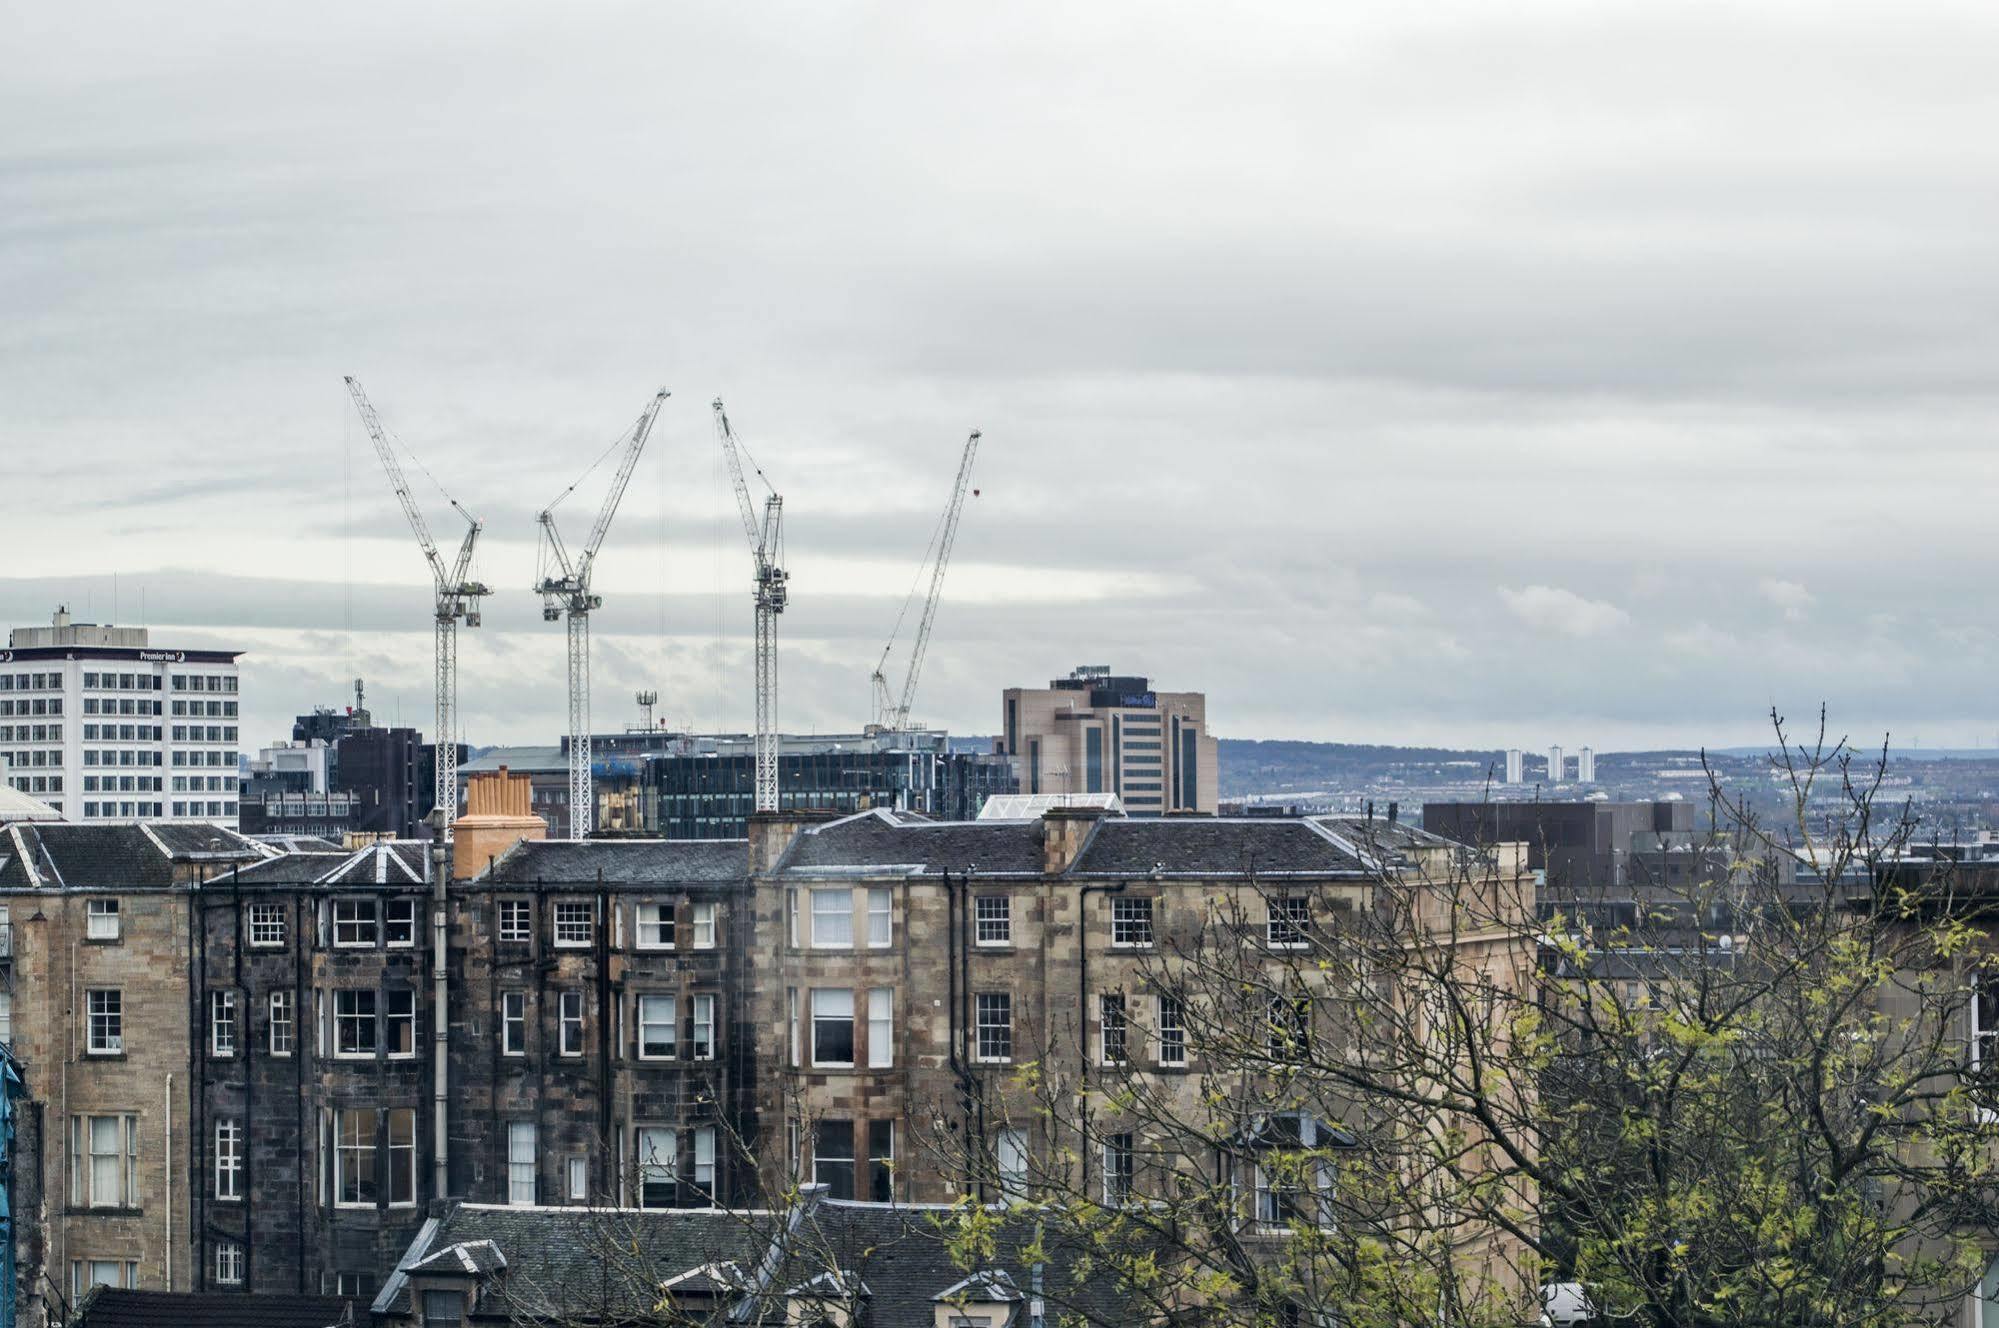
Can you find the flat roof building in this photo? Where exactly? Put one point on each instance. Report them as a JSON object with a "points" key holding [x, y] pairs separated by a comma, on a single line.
{"points": [[103, 725], [1099, 732]]}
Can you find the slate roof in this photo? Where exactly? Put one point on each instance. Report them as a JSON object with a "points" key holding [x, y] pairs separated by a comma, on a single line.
{"points": [[580, 1262], [623, 862], [1216, 846], [289, 869], [109, 1307], [391, 862], [877, 840], [58, 854], [900, 1255]]}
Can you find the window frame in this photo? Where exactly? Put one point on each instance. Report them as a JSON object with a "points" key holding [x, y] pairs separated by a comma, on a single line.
{"points": [[222, 1006], [522, 1170], [701, 1047], [1287, 927], [558, 922], [1001, 926], [1002, 1030], [881, 1028], [263, 916], [514, 1023], [364, 931], [1124, 929], [815, 1018], [274, 1020], [104, 1007], [652, 1165], [368, 1024], [640, 1023], [880, 910], [846, 914], [664, 925], [404, 904], [565, 1020], [229, 1163], [705, 914], [228, 1263], [97, 910], [391, 1017], [1170, 1033], [508, 913], [1113, 1030]]}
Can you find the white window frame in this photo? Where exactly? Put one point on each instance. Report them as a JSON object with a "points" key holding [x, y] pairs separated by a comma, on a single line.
{"points": [[704, 924], [104, 1008], [360, 930], [516, 921], [390, 1018], [1288, 921], [579, 913], [1113, 1016], [1178, 1025], [662, 926], [1124, 929], [704, 1161], [84, 1154], [881, 918], [282, 1014], [1119, 1182], [1002, 1000], [832, 1016], [228, 1263], [661, 1158], [671, 1023], [222, 1023], [881, 1028], [566, 1020], [229, 1161], [346, 1154], [701, 1027], [389, 921], [576, 1173], [1010, 1162], [838, 923], [100, 919], [521, 1146], [513, 1023], [267, 926], [990, 926], [371, 1022], [401, 1156]]}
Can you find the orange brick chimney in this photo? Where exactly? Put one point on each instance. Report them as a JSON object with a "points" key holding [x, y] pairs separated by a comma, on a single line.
{"points": [[499, 814]]}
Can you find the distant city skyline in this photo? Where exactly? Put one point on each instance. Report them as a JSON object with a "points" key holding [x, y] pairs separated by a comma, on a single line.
{"points": [[1387, 374]]}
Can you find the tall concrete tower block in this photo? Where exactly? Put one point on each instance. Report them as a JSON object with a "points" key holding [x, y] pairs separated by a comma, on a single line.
{"points": [[1586, 766], [1556, 766], [1516, 766]]}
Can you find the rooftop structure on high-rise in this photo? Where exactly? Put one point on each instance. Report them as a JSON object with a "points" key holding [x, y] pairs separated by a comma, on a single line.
{"points": [[1099, 732]]}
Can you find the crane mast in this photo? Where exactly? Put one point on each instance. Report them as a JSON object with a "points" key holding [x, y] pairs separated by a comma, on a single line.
{"points": [[457, 599], [947, 535], [766, 544], [564, 587]]}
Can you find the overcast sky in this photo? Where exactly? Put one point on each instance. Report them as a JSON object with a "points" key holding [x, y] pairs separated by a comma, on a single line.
{"points": [[1472, 374]]}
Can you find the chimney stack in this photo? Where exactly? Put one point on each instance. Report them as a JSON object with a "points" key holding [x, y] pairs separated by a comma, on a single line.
{"points": [[499, 813]]}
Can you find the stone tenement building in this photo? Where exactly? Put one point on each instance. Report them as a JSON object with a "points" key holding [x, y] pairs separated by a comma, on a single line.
{"points": [[231, 1053]]}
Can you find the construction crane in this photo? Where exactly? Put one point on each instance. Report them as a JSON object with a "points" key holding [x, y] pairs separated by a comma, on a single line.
{"points": [[457, 600], [890, 713], [766, 551], [564, 587]]}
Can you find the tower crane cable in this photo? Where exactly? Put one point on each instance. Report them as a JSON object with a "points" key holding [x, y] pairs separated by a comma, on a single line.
{"points": [[457, 598], [570, 595]]}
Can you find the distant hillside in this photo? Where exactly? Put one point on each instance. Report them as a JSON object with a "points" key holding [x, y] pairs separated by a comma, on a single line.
{"points": [[1273, 766]]}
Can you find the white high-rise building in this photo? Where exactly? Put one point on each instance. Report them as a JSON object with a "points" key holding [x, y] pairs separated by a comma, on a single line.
{"points": [[1516, 766], [103, 726], [1586, 766], [1555, 765]]}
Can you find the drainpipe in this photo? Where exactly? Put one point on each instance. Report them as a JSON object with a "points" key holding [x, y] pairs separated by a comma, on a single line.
{"points": [[170, 1180], [440, 820]]}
